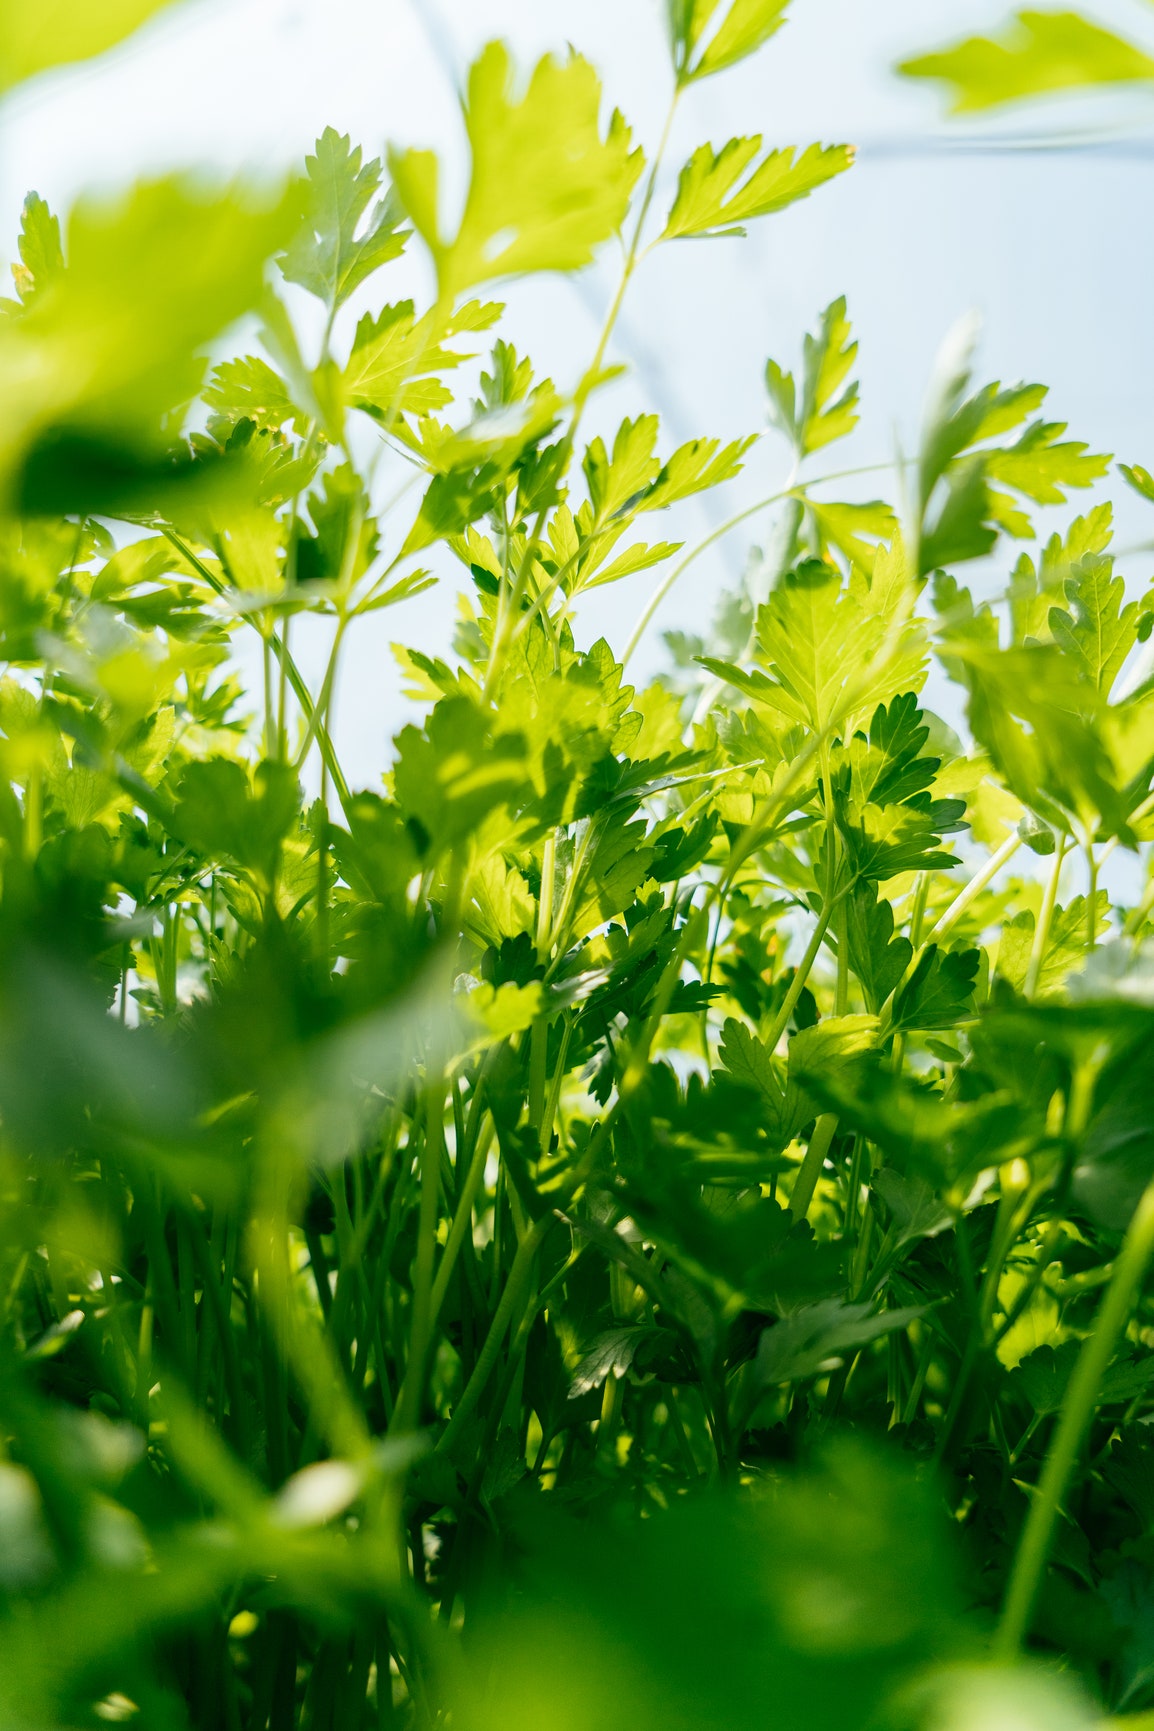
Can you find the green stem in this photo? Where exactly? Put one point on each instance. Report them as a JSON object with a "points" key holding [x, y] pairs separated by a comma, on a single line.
{"points": [[810, 1168], [1077, 1411], [801, 975], [295, 678], [1046, 1255], [587, 383], [1024, 1439], [462, 1223], [539, 1033], [925, 1357], [1091, 898], [949, 919], [1045, 918], [321, 708], [509, 606], [961, 902], [791, 491], [409, 1400], [516, 1290]]}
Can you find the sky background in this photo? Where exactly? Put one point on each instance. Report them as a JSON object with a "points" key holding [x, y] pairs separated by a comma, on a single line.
{"points": [[1051, 247]]}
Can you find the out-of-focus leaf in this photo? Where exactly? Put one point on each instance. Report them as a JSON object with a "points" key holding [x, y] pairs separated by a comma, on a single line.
{"points": [[803, 1609], [1040, 52], [452, 773], [947, 1141], [970, 1698], [1044, 1375], [964, 462], [1116, 1160], [112, 348], [915, 1209], [224, 814], [58, 32]]}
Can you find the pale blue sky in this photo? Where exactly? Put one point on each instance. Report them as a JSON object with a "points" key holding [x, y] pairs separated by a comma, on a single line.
{"points": [[1052, 249]]}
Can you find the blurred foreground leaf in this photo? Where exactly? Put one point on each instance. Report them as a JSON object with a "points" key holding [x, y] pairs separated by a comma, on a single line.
{"points": [[1039, 53], [58, 32]]}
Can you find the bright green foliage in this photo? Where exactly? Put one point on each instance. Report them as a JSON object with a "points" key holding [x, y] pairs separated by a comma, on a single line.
{"points": [[108, 347], [638, 1217], [546, 187], [1039, 52], [340, 241], [1094, 628], [962, 511], [826, 411], [718, 191], [41, 258], [707, 37]]}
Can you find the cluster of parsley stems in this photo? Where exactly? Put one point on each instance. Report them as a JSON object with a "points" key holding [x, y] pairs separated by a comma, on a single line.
{"points": [[518, 1302]]}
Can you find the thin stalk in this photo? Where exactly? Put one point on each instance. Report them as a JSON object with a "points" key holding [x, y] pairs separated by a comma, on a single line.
{"points": [[801, 975], [282, 693], [553, 1098], [512, 1299], [539, 1033], [462, 1224], [853, 1190], [810, 1169], [961, 902], [1074, 1421], [409, 1402], [1013, 1214], [631, 258], [1091, 897], [1046, 1256], [280, 649], [1024, 1439], [841, 991], [269, 714], [949, 919], [1045, 918], [914, 1400], [789, 491], [323, 705]]}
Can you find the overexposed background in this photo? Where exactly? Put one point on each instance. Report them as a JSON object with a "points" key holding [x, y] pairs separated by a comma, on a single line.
{"points": [[1049, 244]]}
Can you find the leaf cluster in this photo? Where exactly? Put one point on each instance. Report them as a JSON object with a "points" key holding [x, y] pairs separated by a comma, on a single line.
{"points": [[639, 1216]]}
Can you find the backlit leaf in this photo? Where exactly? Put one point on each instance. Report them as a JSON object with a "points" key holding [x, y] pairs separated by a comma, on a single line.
{"points": [[1039, 52], [58, 32], [41, 254], [341, 241], [719, 190], [546, 187]]}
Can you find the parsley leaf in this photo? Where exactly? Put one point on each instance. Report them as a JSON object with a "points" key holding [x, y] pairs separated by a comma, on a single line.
{"points": [[545, 189]]}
